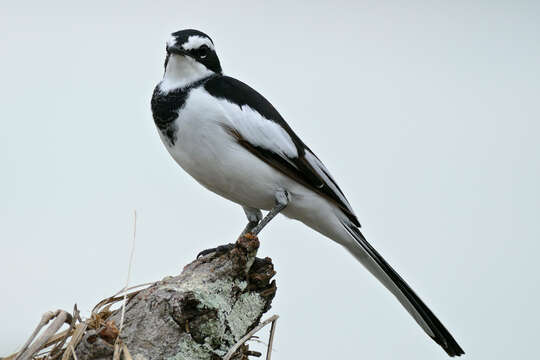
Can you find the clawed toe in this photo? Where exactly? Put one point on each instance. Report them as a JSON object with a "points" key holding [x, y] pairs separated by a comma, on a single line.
{"points": [[219, 249]]}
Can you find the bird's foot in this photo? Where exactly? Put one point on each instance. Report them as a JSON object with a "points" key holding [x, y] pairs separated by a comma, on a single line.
{"points": [[227, 247], [249, 227], [219, 249]]}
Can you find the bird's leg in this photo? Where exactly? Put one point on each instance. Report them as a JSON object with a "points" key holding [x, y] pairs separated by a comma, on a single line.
{"points": [[253, 215], [282, 200], [254, 227]]}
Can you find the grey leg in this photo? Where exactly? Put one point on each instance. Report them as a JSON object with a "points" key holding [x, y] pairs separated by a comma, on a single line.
{"points": [[254, 216], [282, 200], [255, 224]]}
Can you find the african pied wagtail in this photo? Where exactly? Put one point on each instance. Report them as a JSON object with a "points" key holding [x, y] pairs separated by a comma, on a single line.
{"points": [[235, 143]]}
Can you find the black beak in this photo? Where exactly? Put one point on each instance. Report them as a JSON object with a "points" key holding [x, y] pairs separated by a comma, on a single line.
{"points": [[176, 50]]}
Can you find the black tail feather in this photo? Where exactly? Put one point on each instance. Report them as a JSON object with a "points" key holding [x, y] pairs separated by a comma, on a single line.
{"points": [[440, 335]]}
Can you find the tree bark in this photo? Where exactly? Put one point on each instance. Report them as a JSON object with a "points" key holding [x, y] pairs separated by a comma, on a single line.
{"points": [[199, 314]]}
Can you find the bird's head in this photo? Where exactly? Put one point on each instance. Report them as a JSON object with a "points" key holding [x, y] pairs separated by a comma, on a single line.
{"points": [[191, 56]]}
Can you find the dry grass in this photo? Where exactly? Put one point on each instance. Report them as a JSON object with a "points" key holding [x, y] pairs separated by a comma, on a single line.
{"points": [[55, 343]]}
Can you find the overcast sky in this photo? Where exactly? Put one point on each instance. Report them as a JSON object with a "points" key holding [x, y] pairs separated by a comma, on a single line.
{"points": [[427, 114]]}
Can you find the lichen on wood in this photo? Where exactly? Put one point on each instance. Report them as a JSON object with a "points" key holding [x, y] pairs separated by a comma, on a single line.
{"points": [[199, 314]]}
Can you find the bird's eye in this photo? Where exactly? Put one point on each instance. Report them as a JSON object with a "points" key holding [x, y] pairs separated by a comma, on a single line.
{"points": [[202, 52]]}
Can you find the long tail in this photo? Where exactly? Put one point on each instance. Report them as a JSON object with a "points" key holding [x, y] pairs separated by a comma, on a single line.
{"points": [[375, 263]]}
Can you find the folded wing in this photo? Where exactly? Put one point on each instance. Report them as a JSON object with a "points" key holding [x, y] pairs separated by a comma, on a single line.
{"points": [[262, 131]]}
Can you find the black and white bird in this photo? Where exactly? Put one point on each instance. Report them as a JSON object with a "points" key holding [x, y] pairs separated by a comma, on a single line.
{"points": [[234, 142]]}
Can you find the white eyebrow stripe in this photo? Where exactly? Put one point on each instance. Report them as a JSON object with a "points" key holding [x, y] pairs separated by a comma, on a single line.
{"points": [[196, 41], [171, 41]]}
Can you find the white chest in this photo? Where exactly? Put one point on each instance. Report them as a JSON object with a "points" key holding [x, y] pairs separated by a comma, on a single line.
{"points": [[209, 154], [199, 137]]}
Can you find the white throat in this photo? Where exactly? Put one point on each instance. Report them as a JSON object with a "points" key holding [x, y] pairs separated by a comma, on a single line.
{"points": [[182, 71]]}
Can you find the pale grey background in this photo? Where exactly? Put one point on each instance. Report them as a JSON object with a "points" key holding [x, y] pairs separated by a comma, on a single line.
{"points": [[425, 112]]}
